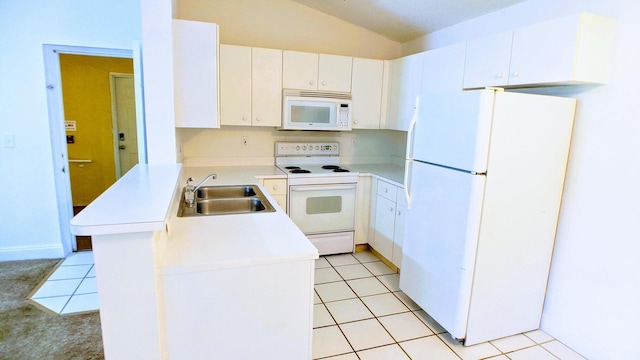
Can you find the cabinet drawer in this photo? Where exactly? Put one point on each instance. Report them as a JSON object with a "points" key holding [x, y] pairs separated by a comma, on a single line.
{"points": [[387, 190], [276, 186]]}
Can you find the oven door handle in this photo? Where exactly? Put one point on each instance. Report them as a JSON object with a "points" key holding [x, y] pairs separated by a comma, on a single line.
{"points": [[322, 187]]}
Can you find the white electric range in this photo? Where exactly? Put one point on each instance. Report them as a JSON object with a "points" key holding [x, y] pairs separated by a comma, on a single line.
{"points": [[321, 193]]}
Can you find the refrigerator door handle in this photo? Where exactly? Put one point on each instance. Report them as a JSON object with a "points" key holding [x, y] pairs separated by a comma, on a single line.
{"points": [[407, 182], [412, 127]]}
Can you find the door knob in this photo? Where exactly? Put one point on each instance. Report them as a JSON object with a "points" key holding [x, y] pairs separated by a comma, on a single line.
{"points": [[122, 147]]}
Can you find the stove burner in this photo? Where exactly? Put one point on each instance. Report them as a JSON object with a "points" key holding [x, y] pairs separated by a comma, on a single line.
{"points": [[330, 167], [340, 170], [292, 167], [299, 171]]}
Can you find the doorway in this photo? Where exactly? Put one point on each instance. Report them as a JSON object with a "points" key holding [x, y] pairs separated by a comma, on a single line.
{"points": [[77, 122]]}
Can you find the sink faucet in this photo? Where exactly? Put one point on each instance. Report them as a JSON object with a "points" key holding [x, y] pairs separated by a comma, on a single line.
{"points": [[190, 190]]}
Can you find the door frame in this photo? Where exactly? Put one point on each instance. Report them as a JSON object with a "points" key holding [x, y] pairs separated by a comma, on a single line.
{"points": [[57, 131]]}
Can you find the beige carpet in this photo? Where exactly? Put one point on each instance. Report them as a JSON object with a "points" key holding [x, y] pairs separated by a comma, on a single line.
{"points": [[30, 332]]}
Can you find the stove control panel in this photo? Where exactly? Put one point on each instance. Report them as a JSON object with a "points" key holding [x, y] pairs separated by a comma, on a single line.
{"points": [[308, 148]]}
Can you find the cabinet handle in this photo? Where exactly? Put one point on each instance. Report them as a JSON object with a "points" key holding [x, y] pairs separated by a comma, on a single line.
{"points": [[399, 213], [275, 187], [312, 82], [324, 83], [244, 118], [390, 209], [500, 75], [258, 119], [355, 121], [516, 74]]}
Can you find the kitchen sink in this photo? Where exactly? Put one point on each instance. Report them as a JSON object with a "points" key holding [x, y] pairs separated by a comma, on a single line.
{"points": [[226, 200], [217, 192]]}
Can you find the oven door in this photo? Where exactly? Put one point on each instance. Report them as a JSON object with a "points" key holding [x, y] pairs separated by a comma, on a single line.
{"points": [[322, 208]]}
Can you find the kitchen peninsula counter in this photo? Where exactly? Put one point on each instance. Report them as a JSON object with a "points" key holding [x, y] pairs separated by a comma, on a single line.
{"points": [[165, 282]]}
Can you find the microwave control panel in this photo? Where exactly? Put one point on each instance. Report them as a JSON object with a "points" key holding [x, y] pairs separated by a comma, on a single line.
{"points": [[343, 116], [285, 148]]}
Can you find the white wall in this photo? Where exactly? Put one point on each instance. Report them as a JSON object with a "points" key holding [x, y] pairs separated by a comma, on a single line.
{"points": [[29, 216], [284, 24], [222, 147], [594, 286]]}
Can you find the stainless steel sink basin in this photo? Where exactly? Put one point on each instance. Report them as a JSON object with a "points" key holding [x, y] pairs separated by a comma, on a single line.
{"points": [[226, 200], [229, 206], [217, 192]]}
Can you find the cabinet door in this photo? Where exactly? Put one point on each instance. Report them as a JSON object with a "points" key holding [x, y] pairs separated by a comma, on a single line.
{"points": [[277, 188], [235, 85], [405, 86], [334, 73], [384, 227], [443, 69], [300, 70], [366, 93], [266, 87], [545, 52], [195, 74], [487, 60], [398, 234]]}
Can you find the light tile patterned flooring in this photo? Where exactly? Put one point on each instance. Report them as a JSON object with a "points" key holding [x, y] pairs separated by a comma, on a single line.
{"points": [[71, 288], [359, 313]]}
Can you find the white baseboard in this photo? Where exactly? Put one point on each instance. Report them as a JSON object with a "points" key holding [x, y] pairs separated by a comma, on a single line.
{"points": [[31, 252]]}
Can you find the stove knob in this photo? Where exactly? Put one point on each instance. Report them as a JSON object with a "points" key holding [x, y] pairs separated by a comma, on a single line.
{"points": [[317, 147], [304, 147], [298, 147]]}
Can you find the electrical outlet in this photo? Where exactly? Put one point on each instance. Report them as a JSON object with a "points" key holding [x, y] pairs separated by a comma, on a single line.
{"points": [[244, 141], [354, 143]]}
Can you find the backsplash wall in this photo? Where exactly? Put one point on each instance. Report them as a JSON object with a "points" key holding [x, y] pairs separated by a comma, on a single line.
{"points": [[223, 147]]}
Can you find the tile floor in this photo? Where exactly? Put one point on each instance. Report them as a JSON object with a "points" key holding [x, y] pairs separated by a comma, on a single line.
{"points": [[71, 288], [359, 313]]}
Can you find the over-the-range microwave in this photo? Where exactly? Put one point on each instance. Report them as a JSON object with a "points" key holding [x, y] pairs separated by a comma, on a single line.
{"points": [[315, 110]]}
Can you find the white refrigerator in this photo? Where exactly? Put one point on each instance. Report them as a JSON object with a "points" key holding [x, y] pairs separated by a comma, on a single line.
{"points": [[484, 179]]}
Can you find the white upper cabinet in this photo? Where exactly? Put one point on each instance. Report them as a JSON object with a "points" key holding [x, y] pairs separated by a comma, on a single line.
{"points": [[266, 89], [334, 73], [235, 85], [195, 74], [569, 50], [300, 70], [443, 69], [310, 71], [250, 86], [488, 60], [404, 86], [366, 93]]}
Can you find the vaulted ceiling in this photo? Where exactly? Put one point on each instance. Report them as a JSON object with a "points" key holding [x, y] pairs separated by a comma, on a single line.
{"points": [[404, 20]]}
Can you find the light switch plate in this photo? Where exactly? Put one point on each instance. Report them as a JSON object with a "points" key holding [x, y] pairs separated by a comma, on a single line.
{"points": [[9, 141]]}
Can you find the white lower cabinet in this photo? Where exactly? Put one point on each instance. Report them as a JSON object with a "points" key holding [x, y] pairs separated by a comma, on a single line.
{"points": [[363, 209], [259, 311], [387, 221], [277, 188]]}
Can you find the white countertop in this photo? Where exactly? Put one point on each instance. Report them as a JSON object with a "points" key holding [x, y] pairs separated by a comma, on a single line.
{"points": [[141, 201], [212, 242], [390, 172], [137, 202]]}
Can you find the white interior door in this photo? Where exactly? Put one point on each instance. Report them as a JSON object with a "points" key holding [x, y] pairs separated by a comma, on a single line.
{"points": [[125, 125], [440, 240]]}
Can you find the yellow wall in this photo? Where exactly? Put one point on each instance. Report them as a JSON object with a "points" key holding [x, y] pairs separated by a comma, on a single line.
{"points": [[87, 101], [284, 24]]}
